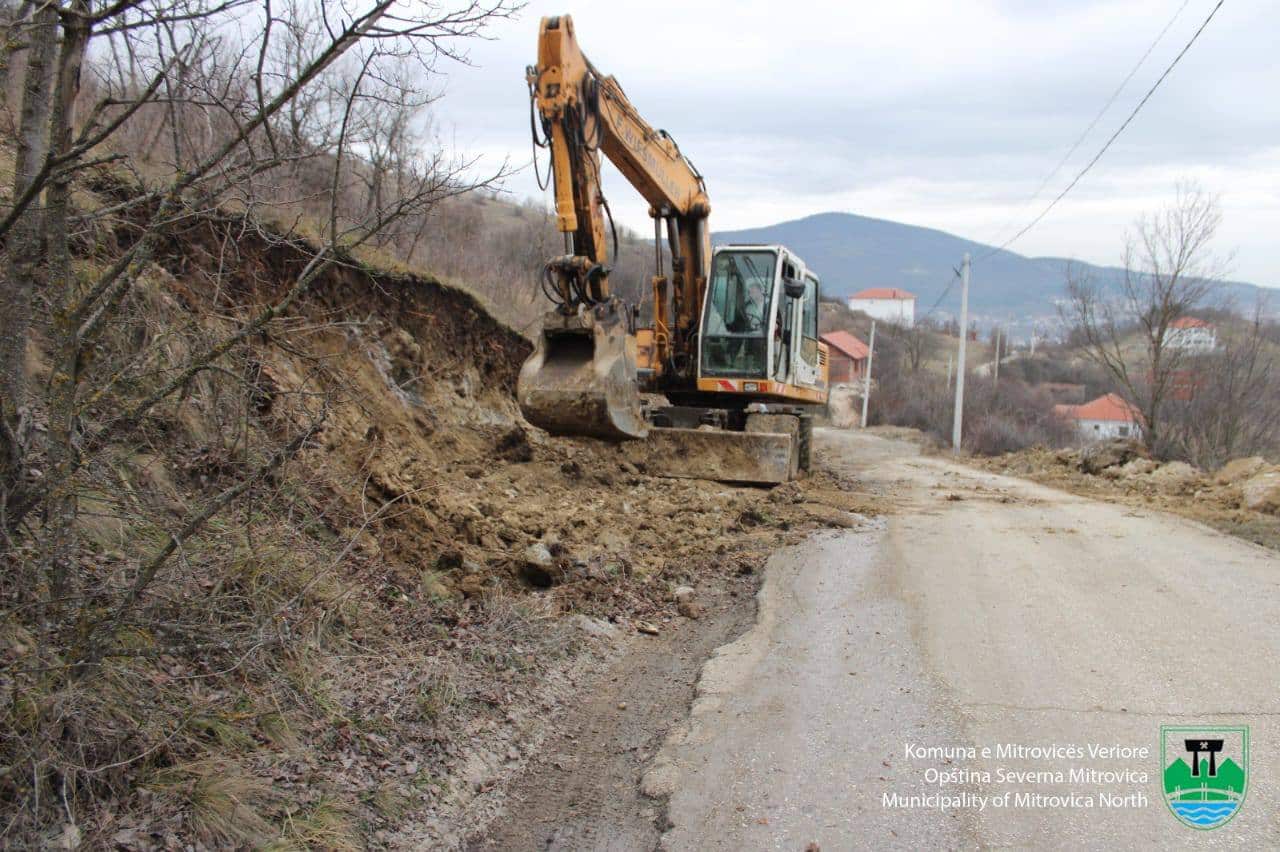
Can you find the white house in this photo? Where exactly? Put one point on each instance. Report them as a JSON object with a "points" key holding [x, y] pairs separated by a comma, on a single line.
{"points": [[1191, 334], [887, 304], [1105, 417]]}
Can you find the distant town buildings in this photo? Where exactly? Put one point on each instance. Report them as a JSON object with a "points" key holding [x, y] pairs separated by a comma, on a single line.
{"points": [[887, 304], [848, 357], [1191, 334], [1107, 416]]}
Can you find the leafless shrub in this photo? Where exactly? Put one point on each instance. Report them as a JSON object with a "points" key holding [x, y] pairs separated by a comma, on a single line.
{"points": [[1169, 272], [150, 137], [1229, 402], [999, 417]]}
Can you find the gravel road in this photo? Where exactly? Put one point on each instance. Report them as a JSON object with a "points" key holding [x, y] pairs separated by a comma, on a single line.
{"points": [[985, 612]]}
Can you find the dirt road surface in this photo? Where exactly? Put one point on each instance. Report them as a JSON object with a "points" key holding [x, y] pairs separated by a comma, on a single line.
{"points": [[985, 612], [581, 792]]}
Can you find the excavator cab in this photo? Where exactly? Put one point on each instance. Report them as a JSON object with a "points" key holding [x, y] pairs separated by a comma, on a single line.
{"points": [[760, 326]]}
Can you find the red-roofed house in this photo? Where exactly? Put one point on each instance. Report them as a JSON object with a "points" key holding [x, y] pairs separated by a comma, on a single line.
{"points": [[848, 357], [1107, 416], [1192, 334], [888, 304]]}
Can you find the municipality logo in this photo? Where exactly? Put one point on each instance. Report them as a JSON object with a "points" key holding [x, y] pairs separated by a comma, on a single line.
{"points": [[1206, 773]]}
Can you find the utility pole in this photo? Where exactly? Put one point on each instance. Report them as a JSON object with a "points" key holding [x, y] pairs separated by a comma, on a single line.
{"points": [[964, 336], [950, 367], [866, 380], [997, 377]]}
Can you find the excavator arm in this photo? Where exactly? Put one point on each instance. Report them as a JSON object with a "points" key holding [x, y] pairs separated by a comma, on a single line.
{"points": [[581, 378]]}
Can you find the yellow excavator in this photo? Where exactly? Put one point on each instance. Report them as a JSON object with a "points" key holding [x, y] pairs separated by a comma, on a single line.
{"points": [[733, 346]]}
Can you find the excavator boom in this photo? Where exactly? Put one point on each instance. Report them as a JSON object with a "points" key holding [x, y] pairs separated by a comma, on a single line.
{"points": [[733, 343], [582, 377]]}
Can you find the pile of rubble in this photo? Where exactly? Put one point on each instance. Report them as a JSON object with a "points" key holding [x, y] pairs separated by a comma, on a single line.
{"points": [[1242, 497]]}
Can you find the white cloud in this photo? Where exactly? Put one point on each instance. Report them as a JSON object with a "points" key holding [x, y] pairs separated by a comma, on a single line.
{"points": [[939, 114]]}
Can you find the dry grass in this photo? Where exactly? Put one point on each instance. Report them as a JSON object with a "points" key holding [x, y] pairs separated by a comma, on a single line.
{"points": [[327, 824], [221, 800]]}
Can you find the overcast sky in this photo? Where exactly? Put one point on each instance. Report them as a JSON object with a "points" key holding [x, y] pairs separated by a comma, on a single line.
{"points": [[942, 114]]}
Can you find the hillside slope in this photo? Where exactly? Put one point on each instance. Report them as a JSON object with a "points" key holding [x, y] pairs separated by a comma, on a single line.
{"points": [[349, 653]]}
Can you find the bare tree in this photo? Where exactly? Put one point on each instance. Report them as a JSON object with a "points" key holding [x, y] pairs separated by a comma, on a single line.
{"points": [[296, 130], [918, 341], [1229, 406], [1169, 272]]}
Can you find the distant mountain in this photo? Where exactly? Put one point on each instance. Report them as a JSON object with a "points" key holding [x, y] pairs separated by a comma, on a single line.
{"points": [[852, 252]]}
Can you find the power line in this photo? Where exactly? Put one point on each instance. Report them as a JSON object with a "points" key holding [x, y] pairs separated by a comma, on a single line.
{"points": [[1105, 108], [1107, 146], [955, 276]]}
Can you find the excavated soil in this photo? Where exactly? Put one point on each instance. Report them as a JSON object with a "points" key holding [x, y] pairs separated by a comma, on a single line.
{"points": [[480, 594]]}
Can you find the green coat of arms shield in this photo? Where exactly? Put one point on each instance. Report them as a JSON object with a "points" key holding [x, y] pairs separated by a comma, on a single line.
{"points": [[1204, 772]]}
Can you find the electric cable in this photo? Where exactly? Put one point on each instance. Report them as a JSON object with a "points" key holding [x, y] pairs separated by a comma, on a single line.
{"points": [[1075, 146], [1106, 146], [955, 276]]}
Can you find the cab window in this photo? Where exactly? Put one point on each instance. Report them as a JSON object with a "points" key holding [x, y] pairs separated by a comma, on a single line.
{"points": [[810, 321], [736, 320]]}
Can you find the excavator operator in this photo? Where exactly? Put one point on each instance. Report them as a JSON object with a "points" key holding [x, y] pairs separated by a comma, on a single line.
{"points": [[755, 307]]}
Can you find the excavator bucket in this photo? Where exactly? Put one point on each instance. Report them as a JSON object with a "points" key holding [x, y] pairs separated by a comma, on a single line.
{"points": [[581, 377]]}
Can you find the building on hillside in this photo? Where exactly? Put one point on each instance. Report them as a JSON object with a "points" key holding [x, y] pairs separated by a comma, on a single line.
{"points": [[887, 304], [848, 357], [1107, 416], [1191, 334]]}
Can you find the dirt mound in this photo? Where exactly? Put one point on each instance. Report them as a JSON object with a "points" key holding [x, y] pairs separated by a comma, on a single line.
{"points": [[1175, 477], [1243, 506], [1131, 468], [1238, 470], [1111, 453], [360, 634]]}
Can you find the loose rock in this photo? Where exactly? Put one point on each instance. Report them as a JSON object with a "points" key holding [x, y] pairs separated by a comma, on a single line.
{"points": [[1238, 470], [1175, 476], [539, 567], [686, 604], [1111, 453], [1261, 492], [595, 627]]}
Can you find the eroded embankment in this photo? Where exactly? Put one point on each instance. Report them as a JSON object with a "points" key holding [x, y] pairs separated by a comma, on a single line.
{"points": [[401, 609]]}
